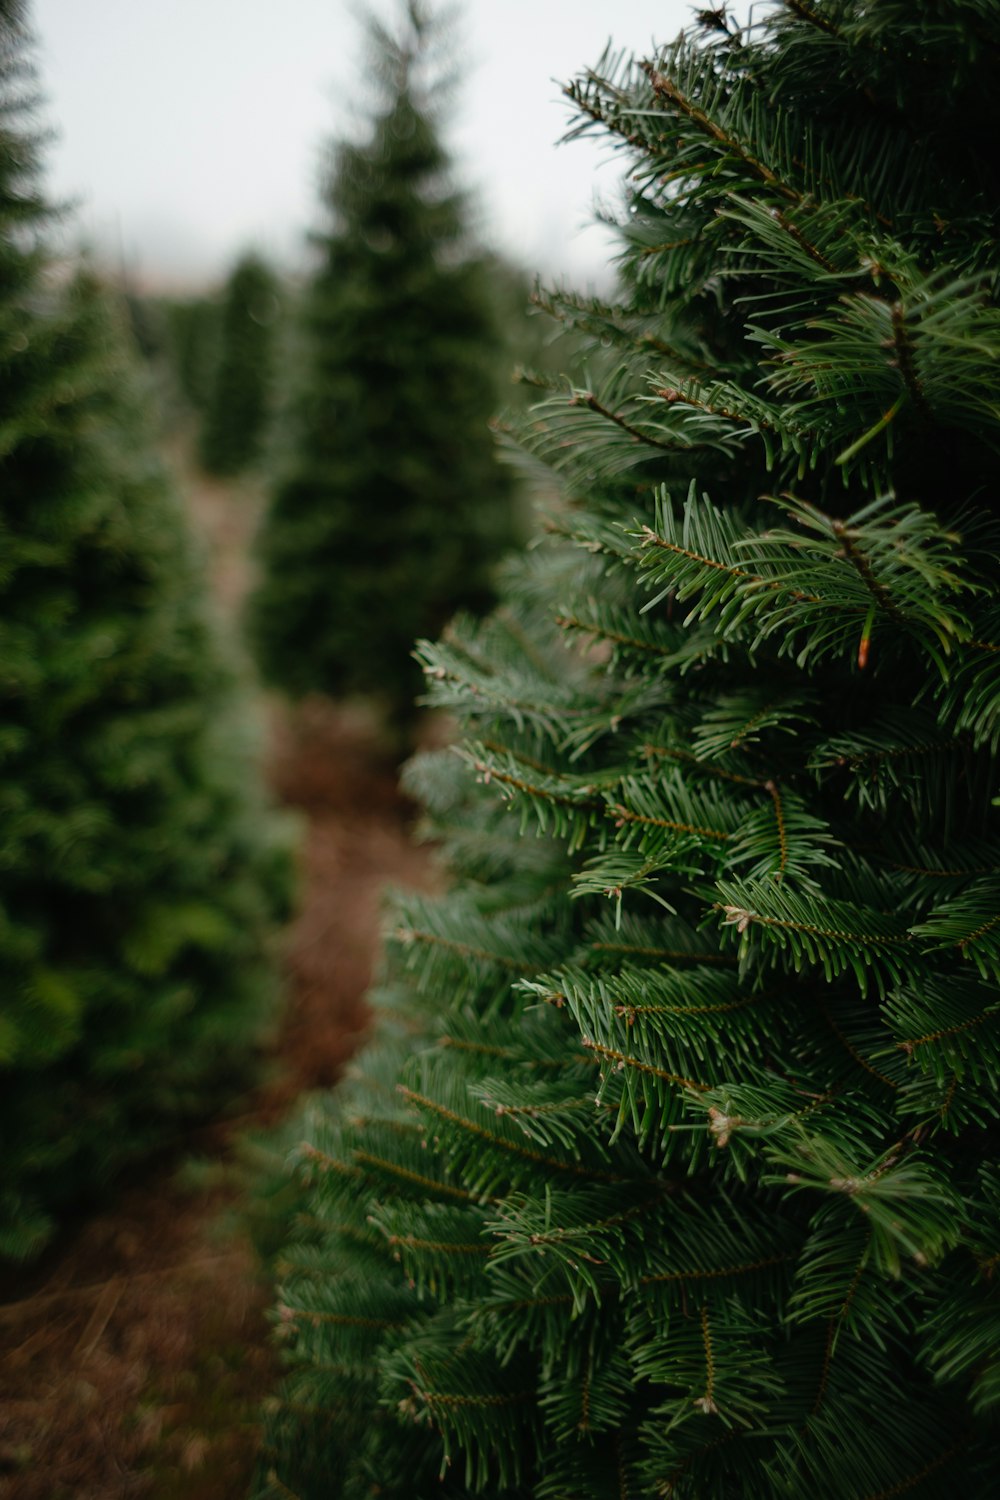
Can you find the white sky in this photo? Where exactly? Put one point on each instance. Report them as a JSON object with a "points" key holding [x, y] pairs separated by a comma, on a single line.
{"points": [[189, 130]]}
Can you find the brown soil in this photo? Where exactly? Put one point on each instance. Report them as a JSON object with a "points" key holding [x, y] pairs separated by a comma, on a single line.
{"points": [[133, 1360], [356, 843]]}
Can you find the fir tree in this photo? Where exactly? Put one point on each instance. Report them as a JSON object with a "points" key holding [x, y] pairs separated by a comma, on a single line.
{"points": [[139, 876], [237, 411], [191, 337], [395, 506], [675, 1170]]}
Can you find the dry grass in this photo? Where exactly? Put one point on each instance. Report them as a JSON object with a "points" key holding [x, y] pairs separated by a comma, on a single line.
{"points": [[136, 1367]]}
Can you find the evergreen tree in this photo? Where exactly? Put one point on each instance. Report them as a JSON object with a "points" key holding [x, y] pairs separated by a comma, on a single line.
{"points": [[675, 1170], [191, 336], [237, 411], [395, 506], [139, 878]]}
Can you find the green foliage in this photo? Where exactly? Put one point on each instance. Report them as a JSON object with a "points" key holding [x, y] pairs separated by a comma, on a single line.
{"points": [[238, 407], [673, 1170], [394, 507], [191, 341], [139, 873]]}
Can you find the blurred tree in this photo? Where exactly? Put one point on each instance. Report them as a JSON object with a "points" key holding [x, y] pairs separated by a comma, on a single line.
{"points": [[395, 507], [144, 322], [139, 874], [191, 339], [237, 409]]}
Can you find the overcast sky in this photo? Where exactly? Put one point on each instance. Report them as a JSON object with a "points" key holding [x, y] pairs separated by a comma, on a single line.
{"points": [[188, 130]]}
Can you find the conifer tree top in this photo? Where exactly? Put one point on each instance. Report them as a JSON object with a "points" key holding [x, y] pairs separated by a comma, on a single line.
{"points": [[394, 187], [394, 507]]}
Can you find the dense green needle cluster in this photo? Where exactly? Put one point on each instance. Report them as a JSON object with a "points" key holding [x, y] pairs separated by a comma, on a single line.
{"points": [[674, 1170], [394, 506], [238, 407], [139, 875]]}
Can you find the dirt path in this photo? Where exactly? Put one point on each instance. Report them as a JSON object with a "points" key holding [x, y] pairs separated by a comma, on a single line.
{"points": [[134, 1358]]}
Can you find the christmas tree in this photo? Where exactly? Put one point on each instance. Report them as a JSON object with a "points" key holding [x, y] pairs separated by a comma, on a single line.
{"points": [[191, 339], [395, 506], [674, 1171], [139, 874], [237, 410]]}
